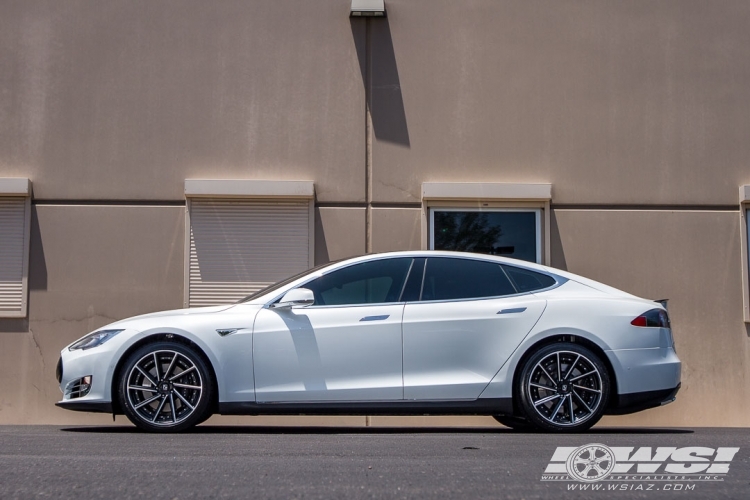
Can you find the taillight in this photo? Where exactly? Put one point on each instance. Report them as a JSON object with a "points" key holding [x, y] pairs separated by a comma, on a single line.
{"points": [[656, 318]]}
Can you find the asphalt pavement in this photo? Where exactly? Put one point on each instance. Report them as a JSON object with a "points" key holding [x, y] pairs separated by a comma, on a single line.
{"points": [[351, 463]]}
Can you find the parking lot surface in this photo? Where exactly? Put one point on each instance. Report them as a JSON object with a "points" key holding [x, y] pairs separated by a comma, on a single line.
{"points": [[303, 462]]}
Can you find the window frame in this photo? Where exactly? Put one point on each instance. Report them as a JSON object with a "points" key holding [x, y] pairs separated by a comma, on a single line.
{"points": [[537, 222], [745, 249], [20, 188], [488, 195], [246, 190]]}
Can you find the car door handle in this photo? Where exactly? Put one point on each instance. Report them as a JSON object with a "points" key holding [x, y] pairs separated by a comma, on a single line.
{"points": [[376, 318], [511, 311]]}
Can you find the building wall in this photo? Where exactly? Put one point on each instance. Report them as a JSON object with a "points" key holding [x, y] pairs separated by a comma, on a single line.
{"points": [[637, 113]]}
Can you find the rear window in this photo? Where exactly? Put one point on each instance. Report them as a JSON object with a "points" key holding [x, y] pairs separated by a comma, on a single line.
{"points": [[451, 279], [528, 281]]}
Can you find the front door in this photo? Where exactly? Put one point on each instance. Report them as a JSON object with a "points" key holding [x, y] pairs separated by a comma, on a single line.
{"points": [[347, 346]]}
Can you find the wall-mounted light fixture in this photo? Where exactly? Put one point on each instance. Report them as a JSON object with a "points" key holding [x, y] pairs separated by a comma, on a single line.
{"points": [[368, 8]]}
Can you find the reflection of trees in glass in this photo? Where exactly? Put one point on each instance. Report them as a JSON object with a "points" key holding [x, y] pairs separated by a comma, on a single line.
{"points": [[465, 232]]}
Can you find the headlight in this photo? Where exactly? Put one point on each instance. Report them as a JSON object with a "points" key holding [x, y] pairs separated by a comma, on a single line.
{"points": [[94, 339]]}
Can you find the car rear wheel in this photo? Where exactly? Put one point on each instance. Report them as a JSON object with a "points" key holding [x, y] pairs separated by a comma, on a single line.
{"points": [[166, 387], [563, 387]]}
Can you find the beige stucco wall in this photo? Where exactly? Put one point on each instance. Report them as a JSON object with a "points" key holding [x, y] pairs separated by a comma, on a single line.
{"points": [[109, 106], [89, 266], [646, 101], [610, 101], [126, 99]]}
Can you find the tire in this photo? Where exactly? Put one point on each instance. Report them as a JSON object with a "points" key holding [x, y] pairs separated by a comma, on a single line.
{"points": [[569, 400], [169, 395], [515, 423]]}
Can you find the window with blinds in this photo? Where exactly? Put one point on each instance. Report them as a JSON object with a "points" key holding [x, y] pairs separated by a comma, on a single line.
{"points": [[238, 246], [13, 256]]}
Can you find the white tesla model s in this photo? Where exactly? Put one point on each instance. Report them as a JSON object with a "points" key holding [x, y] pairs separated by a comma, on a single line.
{"points": [[406, 333]]}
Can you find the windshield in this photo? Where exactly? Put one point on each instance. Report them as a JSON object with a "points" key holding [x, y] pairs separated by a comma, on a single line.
{"points": [[285, 282]]}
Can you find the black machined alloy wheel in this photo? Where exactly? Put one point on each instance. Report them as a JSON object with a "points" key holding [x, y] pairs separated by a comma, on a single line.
{"points": [[564, 387], [165, 387]]}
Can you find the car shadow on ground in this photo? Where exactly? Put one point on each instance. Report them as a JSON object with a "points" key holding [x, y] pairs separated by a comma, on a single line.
{"points": [[253, 429]]}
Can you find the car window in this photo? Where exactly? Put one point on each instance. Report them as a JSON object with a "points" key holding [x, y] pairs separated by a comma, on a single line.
{"points": [[365, 283], [528, 281], [450, 279]]}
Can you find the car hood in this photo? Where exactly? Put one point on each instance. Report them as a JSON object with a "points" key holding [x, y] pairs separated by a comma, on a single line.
{"points": [[179, 312]]}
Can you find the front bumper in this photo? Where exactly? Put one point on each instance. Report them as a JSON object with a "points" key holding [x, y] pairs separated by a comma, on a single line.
{"points": [[98, 363], [90, 406]]}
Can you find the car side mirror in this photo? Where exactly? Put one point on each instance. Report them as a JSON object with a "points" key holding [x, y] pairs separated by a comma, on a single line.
{"points": [[299, 297]]}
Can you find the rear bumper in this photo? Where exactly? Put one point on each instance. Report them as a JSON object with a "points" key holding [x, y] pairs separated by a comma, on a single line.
{"points": [[645, 370], [623, 404], [645, 378]]}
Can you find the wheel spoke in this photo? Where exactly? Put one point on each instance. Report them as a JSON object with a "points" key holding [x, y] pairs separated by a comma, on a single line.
{"points": [[546, 400], [171, 407], [570, 408], [557, 409], [158, 410], [141, 388], [559, 374], [156, 367], [147, 375], [572, 366], [144, 403], [547, 373], [534, 384], [587, 389], [583, 402], [593, 371], [599, 469], [171, 364], [182, 373], [186, 386], [183, 399]]}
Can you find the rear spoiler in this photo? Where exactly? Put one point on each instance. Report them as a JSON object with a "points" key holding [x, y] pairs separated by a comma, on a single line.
{"points": [[663, 302]]}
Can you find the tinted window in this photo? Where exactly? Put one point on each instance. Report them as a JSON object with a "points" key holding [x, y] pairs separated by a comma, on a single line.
{"points": [[506, 233], [366, 283], [448, 279], [527, 281]]}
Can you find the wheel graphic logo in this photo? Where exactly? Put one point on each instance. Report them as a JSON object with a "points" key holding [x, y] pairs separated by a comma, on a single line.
{"points": [[591, 462]]}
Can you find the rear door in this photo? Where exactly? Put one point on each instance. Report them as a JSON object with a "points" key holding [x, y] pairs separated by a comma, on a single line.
{"points": [[465, 325]]}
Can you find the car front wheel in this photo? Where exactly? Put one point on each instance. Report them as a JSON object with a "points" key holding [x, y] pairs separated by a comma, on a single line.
{"points": [[165, 387], [563, 387]]}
